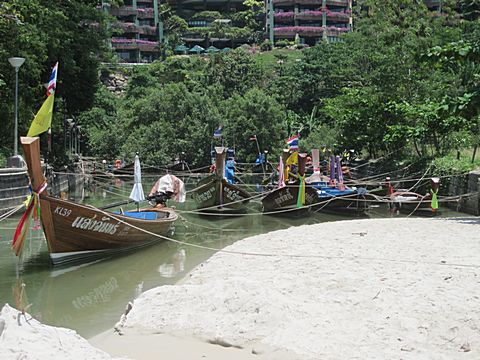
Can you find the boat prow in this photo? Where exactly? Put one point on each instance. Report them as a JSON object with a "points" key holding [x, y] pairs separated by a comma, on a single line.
{"points": [[77, 232]]}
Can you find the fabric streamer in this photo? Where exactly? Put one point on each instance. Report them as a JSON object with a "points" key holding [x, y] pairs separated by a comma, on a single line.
{"points": [[21, 230], [434, 203], [301, 192]]}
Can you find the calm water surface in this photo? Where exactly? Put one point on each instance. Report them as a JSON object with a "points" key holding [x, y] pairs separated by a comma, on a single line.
{"points": [[90, 298]]}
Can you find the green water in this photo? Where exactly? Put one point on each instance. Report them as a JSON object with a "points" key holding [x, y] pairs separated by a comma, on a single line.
{"points": [[90, 298]]}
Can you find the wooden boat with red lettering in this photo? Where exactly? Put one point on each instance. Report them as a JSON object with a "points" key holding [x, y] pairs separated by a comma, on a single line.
{"points": [[214, 194], [81, 232]]}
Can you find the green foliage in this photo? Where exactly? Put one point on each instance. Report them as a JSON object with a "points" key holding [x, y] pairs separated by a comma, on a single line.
{"points": [[450, 165], [235, 72], [253, 113], [403, 81], [208, 15], [44, 33], [284, 43]]}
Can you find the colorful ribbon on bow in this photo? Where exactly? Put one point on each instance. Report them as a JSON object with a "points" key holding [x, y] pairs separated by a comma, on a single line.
{"points": [[301, 192], [33, 206], [434, 202]]}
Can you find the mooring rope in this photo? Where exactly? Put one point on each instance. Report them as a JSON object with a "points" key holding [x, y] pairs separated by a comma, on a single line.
{"points": [[249, 253], [11, 212]]}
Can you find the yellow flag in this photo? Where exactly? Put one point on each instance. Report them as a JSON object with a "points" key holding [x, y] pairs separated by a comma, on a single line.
{"points": [[43, 119], [292, 159]]}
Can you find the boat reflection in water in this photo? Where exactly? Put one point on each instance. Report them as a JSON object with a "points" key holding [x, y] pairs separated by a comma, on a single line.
{"points": [[90, 297]]}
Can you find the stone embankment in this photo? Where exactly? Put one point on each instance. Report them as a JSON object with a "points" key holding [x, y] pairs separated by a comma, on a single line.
{"points": [[468, 185], [14, 186]]}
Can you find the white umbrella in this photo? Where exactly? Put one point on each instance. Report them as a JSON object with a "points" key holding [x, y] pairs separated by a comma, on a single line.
{"points": [[137, 194]]}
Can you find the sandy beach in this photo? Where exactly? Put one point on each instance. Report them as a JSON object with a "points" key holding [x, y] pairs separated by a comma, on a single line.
{"points": [[361, 289]]}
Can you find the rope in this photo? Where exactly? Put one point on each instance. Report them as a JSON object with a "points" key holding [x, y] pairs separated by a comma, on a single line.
{"points": [[10, 212], [248, 253]]}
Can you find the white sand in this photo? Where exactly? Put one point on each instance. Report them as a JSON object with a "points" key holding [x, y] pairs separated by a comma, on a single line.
{"points": [[362, 289], [23, 338]]}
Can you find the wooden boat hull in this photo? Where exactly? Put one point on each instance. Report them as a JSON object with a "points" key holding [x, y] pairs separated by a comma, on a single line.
{"points": [[214, 195], [417, 205], [285, 198], [74, 231]]}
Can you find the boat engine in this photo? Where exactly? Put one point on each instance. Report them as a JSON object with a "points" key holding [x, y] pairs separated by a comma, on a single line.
{"points": [[159, 198]]}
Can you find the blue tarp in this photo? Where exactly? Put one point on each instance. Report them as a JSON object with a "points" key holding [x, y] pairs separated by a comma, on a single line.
{"points": [[145, 215], [230, 171]]}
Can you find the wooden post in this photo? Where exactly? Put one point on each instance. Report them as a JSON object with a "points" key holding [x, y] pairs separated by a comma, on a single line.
{"points": [[302, 160], [31, 149], [316, 160], [220, 157], [285, 156]]}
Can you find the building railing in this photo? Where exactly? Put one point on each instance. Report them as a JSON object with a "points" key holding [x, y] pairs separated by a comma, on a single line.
{"points": [[127, 27], [123, 11], [312, 15], [147, 30], [146, 13], [308, 31], [134, 44]]}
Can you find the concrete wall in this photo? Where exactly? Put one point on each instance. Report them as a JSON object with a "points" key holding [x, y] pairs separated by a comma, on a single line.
{"points": [[468, 184], [13, 188]]}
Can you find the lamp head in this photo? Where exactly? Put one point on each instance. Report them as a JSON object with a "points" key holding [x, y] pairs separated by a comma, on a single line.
{"points": [[16, 62]]}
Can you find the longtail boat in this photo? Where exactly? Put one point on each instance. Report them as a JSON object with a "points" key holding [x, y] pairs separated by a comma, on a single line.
{"points": [[214, 194], [409, 202], [285, 198], [333, 195], [77, 232]]}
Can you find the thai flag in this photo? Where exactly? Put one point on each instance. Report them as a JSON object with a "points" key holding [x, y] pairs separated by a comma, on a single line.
{"points": [[293, 142], [218, 132], [52, 83]]}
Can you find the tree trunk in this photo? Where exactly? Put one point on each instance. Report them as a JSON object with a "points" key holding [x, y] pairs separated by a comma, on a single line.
{"points": [[419, 153], [474, 153]]}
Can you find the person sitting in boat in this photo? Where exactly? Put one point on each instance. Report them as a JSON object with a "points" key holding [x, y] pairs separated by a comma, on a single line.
{"points": [[167, 187]]}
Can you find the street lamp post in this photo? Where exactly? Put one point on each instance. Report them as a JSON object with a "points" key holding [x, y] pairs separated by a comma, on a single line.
{"points": [[16, 62]]}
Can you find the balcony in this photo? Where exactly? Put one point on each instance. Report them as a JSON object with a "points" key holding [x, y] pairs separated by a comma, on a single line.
{"points": [[292, 31], [127, 27], [287, 16], [134, 44], [146, 13], [307, 31], [147, 30], [123, 11], [343, 3], [312, 15]]}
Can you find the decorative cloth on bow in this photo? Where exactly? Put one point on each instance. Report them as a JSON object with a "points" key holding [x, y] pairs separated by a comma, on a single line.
{"points": [[434, 202], [33, 205], [301, 192]]}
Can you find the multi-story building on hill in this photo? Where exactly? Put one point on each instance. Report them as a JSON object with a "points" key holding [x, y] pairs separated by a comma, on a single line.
{"points": [[212, 22], [311, 20], [137, 35], [138, 29]]}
